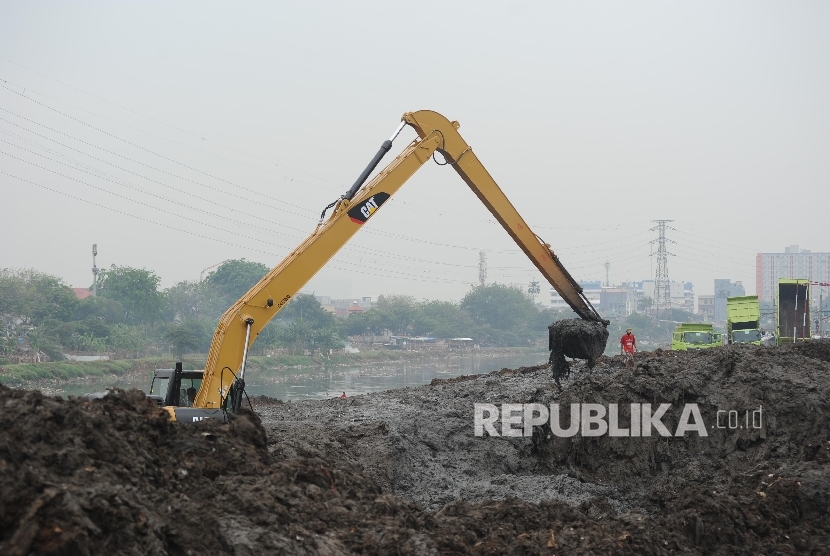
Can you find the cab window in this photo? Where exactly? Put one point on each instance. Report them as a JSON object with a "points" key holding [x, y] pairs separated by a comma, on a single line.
{"points": [[159, 386], [187, 390]]}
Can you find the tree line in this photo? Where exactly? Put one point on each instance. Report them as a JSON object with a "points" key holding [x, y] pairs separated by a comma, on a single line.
{"points": [[132, 316]]}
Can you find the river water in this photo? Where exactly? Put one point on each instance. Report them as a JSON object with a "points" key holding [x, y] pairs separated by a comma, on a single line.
{"points": [[314, 383]]}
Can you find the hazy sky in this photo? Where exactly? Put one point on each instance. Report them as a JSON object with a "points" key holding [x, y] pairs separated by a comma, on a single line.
{"points": [[178, 135]]}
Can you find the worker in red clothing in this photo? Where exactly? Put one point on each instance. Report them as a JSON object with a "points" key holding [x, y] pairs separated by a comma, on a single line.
{"points": [[343, 396], [628, 345]]}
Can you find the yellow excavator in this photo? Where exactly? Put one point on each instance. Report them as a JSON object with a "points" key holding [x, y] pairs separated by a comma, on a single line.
{"points": [[195, 395]]}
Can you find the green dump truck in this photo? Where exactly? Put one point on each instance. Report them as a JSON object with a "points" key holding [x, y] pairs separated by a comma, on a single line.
{"points": [[793, 302], [695, 335], [743, 320]]}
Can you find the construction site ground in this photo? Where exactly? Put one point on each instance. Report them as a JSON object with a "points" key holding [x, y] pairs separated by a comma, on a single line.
{"points": [[402, 472]]}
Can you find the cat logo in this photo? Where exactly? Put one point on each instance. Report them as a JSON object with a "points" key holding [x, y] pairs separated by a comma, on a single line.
{"points": [[367, 209], [361, 213]]}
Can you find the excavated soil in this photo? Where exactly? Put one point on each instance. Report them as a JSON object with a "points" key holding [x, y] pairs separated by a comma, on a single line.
{"points": [[402, 472]]}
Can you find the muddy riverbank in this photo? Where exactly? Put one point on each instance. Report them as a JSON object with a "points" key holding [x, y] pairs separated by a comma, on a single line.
{"points": [[403, 472]]}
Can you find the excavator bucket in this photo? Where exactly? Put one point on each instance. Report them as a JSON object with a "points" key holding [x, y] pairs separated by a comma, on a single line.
{"points": [[575, 338]]}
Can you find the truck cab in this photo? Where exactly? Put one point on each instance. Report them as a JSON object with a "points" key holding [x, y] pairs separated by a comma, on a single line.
{"points": [[691, 335], [746, 337], [743, 320]]}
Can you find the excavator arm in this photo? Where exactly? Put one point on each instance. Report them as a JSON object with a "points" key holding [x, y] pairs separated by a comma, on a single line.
{"points": [[241, 323]]}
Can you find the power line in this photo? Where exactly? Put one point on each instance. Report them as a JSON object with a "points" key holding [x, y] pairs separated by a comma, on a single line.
{"points": [[419, 207], [197, 135], [225, 218], [120, 182], [223, 192], [142, 163], [415, 206], [182, 164], [177, 215], [214, 155], [199, 171], [128, 185], [358, 269], [210, 175]]}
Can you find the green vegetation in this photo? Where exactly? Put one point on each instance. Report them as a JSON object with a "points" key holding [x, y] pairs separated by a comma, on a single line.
{"points": [[136, 290], [493, 314], [131, 318]]}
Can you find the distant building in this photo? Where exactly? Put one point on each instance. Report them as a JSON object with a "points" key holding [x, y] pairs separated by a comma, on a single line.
{"points": [[706, 306], [689, 297], [614, 301], [344, 307], [354, 309], [792, 263], [621, 300], [724, 288], [82, 293], [592, 291], [682, 294], [624, 299]]}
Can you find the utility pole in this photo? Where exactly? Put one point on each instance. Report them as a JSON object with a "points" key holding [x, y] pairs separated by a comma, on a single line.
{"points": [[662, 286], [482, 268], [94, 270]]}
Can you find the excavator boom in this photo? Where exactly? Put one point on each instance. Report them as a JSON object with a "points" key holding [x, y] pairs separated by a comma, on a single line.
{"points": [[242, 322]]}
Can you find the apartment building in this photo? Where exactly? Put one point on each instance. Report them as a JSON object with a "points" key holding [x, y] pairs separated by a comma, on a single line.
{"points": [[792, 263]]}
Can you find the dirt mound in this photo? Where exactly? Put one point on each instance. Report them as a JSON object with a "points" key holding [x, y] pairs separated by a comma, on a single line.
{"points": [[115, 476], [694, 493], [758, 405], [815, 349], [758, 475]]}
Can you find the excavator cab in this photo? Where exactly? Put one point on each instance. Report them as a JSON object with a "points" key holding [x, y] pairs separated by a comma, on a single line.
{"points": [[175, 386], [175, 390]]}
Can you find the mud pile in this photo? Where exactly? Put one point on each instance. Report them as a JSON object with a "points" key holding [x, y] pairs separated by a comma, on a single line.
{"points": [[737, 490], [774, 406], [402, 471], [114, 476]]}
